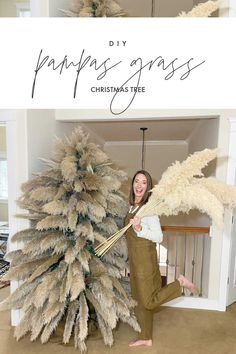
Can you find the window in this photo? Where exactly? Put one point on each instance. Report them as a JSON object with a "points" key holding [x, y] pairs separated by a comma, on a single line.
{"points": [[3, 180]]}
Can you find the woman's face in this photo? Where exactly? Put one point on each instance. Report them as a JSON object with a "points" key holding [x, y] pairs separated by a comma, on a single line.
{"points": [[139, 186]]}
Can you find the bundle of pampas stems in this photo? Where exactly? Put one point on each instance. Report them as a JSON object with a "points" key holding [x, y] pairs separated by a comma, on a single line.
{"points": [[73, 204], [202, 10], [95, 8], [182, 188]]}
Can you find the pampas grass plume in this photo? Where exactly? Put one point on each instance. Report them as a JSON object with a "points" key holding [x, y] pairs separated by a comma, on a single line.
{"points": [[202, 9]]}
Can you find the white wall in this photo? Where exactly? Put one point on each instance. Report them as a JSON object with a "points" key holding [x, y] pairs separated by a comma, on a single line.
{"points": [[204, 135], [41, 128], [157, 156], [172, 8], [139, 8]]}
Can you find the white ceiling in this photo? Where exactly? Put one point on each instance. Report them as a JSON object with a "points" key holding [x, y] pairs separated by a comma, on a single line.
{"points": [[158, 130]]}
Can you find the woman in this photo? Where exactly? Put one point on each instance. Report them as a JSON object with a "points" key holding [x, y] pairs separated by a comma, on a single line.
{"points": [[145, 277]]}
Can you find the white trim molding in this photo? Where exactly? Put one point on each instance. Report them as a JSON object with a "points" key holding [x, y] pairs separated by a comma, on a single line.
{"points": [[232, 122], [102, 115], [227, 8], [17, 172], [232, 8], [226, 246], [195, 303], [39, 8]]}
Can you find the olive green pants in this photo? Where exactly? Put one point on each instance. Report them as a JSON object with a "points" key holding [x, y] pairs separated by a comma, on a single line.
{"points": [[145, 281]]}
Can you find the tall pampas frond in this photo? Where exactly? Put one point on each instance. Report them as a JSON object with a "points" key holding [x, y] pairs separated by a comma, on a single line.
{"points": [[83, 318], [24, 325], [183, 187], [226, 194], [51, 326], [202, 10], [105, 331], [15, 298], [70, 320], [38, 324]]}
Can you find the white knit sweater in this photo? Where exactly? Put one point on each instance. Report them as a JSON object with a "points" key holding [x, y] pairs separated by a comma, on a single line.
{"points": [[151, 229]]}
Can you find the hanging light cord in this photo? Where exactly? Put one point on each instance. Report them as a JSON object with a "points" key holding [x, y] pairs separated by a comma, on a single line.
{"points": [[143, 130], [153, 8]]}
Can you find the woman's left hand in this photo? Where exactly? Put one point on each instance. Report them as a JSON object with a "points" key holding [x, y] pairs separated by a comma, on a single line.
{"points": [[136, 222]]}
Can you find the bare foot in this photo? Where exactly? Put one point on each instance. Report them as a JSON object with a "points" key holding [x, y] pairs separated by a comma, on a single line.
{"points": [[140, 343], [188, 284]]}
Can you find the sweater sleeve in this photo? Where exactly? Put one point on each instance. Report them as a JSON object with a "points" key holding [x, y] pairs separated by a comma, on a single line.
{"points": [[151, 229]]}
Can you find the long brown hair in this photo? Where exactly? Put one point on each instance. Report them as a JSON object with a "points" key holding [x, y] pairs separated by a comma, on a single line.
{"points": [[147, 193]]}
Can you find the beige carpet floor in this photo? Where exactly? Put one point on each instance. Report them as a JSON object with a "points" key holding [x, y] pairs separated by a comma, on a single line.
{"points": [[176, 331]]}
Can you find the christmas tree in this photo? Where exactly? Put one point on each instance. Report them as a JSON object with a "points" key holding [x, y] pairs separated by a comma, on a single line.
{"points": [[72, 205], [95, 8]]}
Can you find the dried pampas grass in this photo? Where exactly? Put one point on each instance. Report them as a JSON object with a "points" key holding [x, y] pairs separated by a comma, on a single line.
{"points": [[226, 194], [83, 318], [202, 10], [109, 8], [95, 8], [180, 191], [52, 222], [52, 325], [70, 319], [105, 331], [69, 168], [71, 204], [92, 181]]}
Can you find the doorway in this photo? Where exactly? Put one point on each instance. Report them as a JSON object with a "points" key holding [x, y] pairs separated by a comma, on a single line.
{"points": [[167, 141]]}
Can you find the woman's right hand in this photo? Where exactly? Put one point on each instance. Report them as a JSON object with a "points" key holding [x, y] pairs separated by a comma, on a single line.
{"points": [[136, 222]]}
